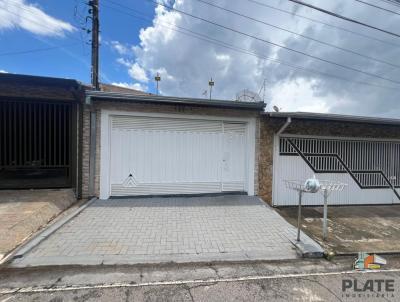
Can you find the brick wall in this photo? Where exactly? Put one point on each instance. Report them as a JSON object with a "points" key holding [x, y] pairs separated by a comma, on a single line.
{"points": [[151, 108], [269, 126], [85, 151]]}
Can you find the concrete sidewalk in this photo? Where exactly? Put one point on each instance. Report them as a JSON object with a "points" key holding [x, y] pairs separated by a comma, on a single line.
{"points": [[23, 212], [352, 229], [159, 230]]}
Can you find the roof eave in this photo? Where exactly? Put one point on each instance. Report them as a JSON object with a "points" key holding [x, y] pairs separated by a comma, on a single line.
{"points": [[156, 99], [21, 79], [335, 117]]}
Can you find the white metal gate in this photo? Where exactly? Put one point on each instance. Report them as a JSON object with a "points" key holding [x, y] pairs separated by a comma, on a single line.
{"points": [[370, 167], [162, 155]]}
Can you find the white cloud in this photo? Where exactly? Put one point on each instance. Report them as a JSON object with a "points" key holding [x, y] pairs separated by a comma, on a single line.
{"points": [[136, 86], [159, 33], [3, 71], [222, 57], [119, 47], [138, 73], [124, 62], [298, 95], [188, 63], [135, 71], [20, 14]]}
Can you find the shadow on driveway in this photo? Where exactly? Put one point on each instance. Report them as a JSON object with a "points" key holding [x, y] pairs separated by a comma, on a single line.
{"points": [[234, 200]]}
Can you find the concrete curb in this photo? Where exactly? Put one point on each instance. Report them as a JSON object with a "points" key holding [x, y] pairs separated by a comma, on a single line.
{"points": [[307, 250], [352, 254], [184, 259], [39, 237]]}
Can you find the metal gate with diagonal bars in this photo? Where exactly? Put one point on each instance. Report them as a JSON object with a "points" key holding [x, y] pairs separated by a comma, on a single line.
{"points": [[367, 165]]}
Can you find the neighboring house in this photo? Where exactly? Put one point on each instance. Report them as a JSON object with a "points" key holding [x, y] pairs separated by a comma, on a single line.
{"points": [[123, 142], [114, 88], [38, 131], [363, 152]]}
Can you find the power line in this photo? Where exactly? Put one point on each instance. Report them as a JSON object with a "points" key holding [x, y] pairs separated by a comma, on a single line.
{"points": [[324, 23], [66, 34], [300, 35], [33, 20], [78, 17], [378, 7], [76, 57], [276, 44], [393, 2], [343, 17], [35, 50], [206, 38], [30, 13]]}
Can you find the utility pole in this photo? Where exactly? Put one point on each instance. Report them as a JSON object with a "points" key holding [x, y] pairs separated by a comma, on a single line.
{"points": [[94, 10]]}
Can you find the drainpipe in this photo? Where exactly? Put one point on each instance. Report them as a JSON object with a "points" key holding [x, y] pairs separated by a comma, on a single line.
{"points": [[283, 128]]}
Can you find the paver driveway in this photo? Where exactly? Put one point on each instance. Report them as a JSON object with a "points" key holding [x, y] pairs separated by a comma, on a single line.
{"points": [[152, 230]]}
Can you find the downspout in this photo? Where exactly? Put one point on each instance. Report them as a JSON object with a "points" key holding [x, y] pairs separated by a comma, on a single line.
{"points": [[285, 125], [92, 148]]}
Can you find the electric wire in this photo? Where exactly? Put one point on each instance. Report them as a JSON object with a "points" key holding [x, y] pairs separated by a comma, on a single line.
{"points": [[393, 2], [275, 44], [83, 61], [11, 53], [34, 21], [208, 39], [378, 7], [324, 23], [300, 35], [328, 12]]}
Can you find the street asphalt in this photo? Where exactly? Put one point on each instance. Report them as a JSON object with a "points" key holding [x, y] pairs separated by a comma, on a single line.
{"points": [[295, 280], [304, 288]]}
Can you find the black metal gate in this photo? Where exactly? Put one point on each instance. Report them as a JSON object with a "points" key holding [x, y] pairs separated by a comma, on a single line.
{"points": [[35, 144]]}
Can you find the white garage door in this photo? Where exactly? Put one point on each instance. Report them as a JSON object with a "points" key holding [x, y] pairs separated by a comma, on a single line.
{"points": [[157, 155]]}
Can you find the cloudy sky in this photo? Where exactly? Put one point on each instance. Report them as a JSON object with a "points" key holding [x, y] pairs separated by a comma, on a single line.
{"points": [[247, 48]]}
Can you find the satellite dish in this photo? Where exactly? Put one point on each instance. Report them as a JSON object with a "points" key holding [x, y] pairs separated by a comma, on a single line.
{"points": [[246, 95], [276, 109]]}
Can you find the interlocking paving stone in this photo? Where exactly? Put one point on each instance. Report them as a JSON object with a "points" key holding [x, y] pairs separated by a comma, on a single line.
{"points": [[137, 230]]}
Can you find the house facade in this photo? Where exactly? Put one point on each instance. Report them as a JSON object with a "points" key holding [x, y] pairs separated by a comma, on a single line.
{"points": [[154, 145], [39, 121], [362, 152], [119, 142]]}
